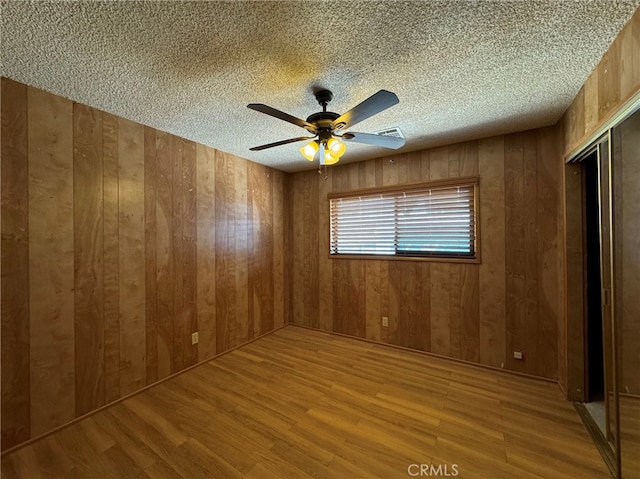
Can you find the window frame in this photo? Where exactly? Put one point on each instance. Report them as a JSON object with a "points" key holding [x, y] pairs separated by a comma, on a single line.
{"points": [[473, 181]]}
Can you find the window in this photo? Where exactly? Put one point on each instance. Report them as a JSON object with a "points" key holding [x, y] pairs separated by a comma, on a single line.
{"points": [[432, 220]]}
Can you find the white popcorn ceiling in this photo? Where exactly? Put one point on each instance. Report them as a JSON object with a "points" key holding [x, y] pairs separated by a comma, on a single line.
{"points": [[462, 69]]}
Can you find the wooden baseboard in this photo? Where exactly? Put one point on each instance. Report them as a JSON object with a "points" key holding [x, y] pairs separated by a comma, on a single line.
{"points": [[433, 355], [149, 386]]}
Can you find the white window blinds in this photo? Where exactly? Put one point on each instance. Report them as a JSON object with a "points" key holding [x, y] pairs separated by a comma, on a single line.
{"points": [[432, 220]]}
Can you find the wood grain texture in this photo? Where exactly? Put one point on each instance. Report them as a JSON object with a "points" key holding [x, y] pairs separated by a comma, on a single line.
{"points": [[111, 264], [164, 254], [241, 262], [189, 253], [549, 278], [262, 264], [131, 255], [325, 268], [88, 261], [515, 248], [280, 208], [206, 271], [122, 243], [177, 286], [225, 252], [151, 267], [310, 238], [614, 80], [492, 293], [456, 310], [51, 261], [331, 418], [15, 265], [573, 324], [626, 281]]}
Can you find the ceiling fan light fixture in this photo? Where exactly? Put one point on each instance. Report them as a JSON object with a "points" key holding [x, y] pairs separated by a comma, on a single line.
{"points": [[309, 150], [330, 159], [324, 123], [336, 147]]}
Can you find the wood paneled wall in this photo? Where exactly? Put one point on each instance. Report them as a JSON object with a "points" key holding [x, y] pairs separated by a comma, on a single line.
{"points": [[118, 242], [476, 312], [614, 80], [626, 282]]}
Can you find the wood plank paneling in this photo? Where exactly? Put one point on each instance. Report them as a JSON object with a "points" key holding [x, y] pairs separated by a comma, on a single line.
{"points": [[206, 233], [491, 284], [124, 240], [15, 266], [164, 251], [626, 201], [469, 314], [609, 80], [325, 268], [515, 248], [531, 285], [111, 264], [357, 297], [88, 261], [264, 253], [440, 275], [241, 260], [51, 257], [548, 295], [439, 313], [310, 238], [452, 309], [628, 49], [280, 207], [225, 252], [189, 254], [131, 255], [590, 101], [177, 218], [151, 266], [614, 80], [261, 237]]}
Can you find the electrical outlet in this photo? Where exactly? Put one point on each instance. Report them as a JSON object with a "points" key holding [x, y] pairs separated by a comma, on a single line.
{"points": [[518, 355], [194, 338], [385, 321]]}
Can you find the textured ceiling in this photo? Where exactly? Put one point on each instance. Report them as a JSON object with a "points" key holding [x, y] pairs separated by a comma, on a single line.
{"points": [[462, 69]]}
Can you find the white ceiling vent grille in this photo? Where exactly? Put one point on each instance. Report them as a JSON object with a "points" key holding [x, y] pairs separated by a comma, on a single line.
{"points": [[395, 132]]}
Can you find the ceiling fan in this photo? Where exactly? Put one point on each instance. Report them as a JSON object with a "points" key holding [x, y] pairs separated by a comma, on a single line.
{"points": [[324, 126]]}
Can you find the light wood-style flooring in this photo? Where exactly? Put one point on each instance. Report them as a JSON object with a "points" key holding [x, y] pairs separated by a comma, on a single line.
{"points": [[301, 403]]}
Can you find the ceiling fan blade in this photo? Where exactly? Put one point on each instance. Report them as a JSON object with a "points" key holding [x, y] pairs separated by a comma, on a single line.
{"points": [[282, 116], [392, 142], [371, 106], [283, 142]]}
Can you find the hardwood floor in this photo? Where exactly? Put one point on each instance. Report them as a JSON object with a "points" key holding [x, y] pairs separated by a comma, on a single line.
{"points": [[301, 403]]}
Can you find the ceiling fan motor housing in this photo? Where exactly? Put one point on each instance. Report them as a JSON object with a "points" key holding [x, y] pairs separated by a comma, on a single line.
{"points": [[323, 122]]}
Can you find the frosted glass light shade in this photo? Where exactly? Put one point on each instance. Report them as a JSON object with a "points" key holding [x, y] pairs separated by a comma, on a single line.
{"points": [[309, 150], [336, 147]]}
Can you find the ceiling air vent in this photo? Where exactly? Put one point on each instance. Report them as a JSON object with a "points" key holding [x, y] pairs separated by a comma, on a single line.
{"points": [[395, 132]]}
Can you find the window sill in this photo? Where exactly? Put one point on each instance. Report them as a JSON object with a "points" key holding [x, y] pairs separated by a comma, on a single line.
{"points": [[475, 260]]}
